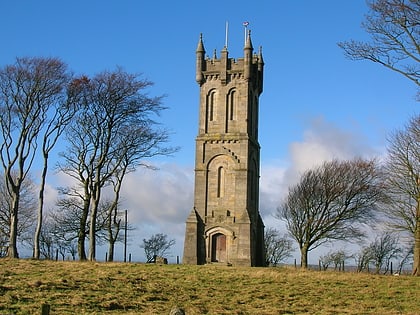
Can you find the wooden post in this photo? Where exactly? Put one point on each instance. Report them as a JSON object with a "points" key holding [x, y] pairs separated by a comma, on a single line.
{"points": [[45, 309], [125, 238]]}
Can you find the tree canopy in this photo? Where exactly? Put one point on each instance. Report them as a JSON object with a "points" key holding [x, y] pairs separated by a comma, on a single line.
{"points": [[329, 200], [394, 26]]}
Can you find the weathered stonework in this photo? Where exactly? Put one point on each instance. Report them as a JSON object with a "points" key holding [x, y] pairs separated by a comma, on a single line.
{"points": [[224, 225]]}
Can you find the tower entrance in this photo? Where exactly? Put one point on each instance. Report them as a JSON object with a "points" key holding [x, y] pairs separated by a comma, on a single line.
{"points": [[218, 252], [225, 225]]}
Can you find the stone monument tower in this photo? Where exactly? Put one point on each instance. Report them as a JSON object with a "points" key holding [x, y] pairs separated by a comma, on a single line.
{"points": [[224, 225]]}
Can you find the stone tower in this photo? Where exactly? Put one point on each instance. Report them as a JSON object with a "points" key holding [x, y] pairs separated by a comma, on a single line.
{"points": [[225, 225]]}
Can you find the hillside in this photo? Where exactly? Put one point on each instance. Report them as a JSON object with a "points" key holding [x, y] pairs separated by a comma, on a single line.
{"points": [[118, 288]]}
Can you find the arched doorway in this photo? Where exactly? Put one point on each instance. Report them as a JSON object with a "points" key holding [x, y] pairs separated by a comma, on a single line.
{"points": [[218, 248]]}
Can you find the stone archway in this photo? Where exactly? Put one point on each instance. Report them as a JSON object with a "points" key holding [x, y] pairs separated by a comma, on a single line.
{"points": [[218, 250]]}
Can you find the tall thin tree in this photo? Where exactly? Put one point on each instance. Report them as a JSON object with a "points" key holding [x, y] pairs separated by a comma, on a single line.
{"points": [[403, 181], [114, 108], [59, 116], [28, 88]]}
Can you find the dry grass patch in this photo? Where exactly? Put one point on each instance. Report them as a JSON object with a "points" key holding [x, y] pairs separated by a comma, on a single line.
{"points": [[117, 288]]}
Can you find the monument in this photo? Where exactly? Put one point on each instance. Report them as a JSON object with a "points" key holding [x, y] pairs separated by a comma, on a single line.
{"points": [[224, 225]]}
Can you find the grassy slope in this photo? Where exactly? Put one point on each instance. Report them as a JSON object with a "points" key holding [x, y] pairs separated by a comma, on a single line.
{"points": [[117, 288]]}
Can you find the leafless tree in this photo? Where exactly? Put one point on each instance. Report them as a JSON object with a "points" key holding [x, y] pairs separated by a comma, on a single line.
{"points": [[55, 239], [363, 258], [337, 258], [157, 245], [383, 249], [331, 202], [277, 247], [136, 146], [71, 223], [68, 215], [406, 257], [60, 114], [114, 109], [394, 26], [28, 88], [403, 182], [27, 214]]}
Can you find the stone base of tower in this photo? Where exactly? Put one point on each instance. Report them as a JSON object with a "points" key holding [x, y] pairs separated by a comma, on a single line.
{"points": [[234, 243], [194, 248]]}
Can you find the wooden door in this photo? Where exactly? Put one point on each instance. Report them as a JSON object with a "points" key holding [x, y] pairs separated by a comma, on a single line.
{"points": [[218, 248]]}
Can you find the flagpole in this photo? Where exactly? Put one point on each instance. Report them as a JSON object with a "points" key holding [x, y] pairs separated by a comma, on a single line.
{"points": [[226, 30], [245, 24]]}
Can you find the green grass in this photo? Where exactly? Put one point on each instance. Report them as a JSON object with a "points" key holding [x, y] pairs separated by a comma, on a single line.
{"points": [[118, 288]]}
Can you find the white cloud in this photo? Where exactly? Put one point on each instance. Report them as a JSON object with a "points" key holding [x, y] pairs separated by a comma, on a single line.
{"points": [[323, 141], [159, 202], [156, 196]]}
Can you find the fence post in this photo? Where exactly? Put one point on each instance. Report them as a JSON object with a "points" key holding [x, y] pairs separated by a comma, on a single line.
{"points": [[45, 309]]}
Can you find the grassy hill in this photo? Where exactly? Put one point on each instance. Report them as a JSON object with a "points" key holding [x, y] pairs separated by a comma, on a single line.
{"points": [[118, 288]]}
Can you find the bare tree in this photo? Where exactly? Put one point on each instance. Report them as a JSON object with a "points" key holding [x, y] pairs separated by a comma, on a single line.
{"points": [[137, 145], [363, 258], [28, 88], [406, 257], [69, 216], [71, 224], [383, 249], [27, 214], [337, 258], [157, 245], [277, 247], [403, 182], [59, 115], [114, 109], [394, 26], [56, 239], [331, 202]]}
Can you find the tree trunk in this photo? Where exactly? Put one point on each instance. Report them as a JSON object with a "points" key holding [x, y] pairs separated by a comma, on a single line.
{"points": [[416, 262], [40, 208], [83, 220], [92, 235], [111, 250], [81, 250], [12, 251], [304, 257], [92, 225]]}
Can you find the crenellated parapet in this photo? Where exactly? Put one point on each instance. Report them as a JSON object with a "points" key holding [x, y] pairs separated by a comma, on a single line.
{"points": [[225, 69]]}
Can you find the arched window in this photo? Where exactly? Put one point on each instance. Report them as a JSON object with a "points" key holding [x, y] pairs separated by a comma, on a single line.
{"points": [[211, 104], [220, 182], [231, 105]]}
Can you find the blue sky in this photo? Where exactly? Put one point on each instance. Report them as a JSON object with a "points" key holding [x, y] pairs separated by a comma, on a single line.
{"points": [[316, 104]]}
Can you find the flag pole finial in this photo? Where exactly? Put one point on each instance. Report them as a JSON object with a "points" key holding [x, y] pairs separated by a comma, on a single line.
{"points": [[245, 24]]}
